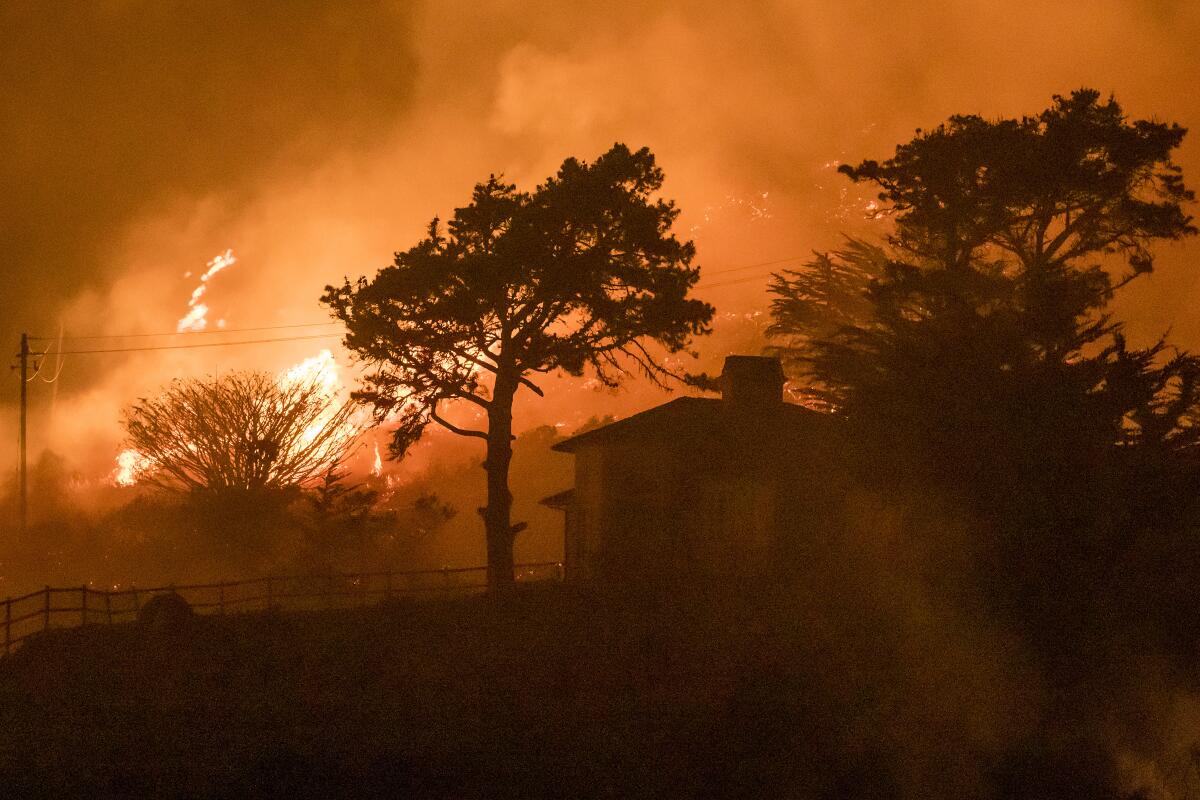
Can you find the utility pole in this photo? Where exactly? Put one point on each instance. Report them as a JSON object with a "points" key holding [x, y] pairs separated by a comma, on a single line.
{"points": [[23, 467]]}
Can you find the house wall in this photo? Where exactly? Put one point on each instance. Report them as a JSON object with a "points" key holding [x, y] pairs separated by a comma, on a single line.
{"points": [[585, 518], [644, 490], [655, 509], [735, 527]]}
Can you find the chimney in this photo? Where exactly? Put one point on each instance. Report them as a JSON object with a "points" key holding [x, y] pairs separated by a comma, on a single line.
{"points": [[752, 381]]}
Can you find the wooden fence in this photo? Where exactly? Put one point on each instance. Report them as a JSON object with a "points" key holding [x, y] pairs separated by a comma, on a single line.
{"points": [[73, 607]]}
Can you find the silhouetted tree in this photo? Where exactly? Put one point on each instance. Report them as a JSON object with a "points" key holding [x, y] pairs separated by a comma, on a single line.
{"points": [[975, 345], [990, 286], [579, 273], [239, 431], [341, 517], [976, 363], [363, 527], [818, 306]]}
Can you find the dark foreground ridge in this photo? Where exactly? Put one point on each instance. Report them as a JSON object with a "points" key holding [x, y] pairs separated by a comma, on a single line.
{"points": [[543, 694], [552, 692]]}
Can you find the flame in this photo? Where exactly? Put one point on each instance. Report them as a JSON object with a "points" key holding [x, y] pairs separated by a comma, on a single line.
{"points": [[195, 319], [130, 463], [377, 466], [321, 369]]}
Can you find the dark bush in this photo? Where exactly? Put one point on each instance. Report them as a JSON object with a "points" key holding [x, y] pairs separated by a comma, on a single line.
{"points": [[167, 611]]}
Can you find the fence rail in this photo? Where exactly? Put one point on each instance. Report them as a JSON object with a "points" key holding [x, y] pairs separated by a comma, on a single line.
{"points": [[58, 607]]}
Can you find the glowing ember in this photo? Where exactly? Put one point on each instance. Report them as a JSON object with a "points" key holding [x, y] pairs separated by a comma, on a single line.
{"points": [[755, 206], [195, 319], [130, 463], [377, 466]]}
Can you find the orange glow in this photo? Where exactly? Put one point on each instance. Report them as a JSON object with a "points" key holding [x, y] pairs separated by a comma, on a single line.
{"points": [[320, 370]]}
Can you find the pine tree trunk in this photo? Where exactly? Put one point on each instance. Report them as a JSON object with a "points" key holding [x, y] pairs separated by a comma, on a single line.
{"points": [[497, 515]]}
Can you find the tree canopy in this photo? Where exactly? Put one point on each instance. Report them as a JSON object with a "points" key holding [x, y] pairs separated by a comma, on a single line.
{"points": [[575, 274], [581, 273], [997, 276], [974, 354], [975, 361], [1073, 181]]}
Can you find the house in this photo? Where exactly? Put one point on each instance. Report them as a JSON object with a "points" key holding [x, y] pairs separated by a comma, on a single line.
{"points": [[695, 484]]}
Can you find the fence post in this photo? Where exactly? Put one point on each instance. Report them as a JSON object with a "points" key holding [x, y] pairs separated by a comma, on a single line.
{"points": [[46, 611], [7, 625], [82, 606], [108, 607]]}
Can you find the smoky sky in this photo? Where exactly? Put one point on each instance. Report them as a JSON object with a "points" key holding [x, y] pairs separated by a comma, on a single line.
{"points": [[141, 138], [108, 108]]}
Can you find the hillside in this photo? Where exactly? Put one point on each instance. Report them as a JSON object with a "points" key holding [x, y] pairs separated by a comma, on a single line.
{"points": [[457, 698], [556, 693]]}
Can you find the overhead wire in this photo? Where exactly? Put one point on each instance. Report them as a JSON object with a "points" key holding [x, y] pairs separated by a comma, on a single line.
{"points": [[56, 372], [188, 333], [60, 361], [732, 282], [39, 360], [293, 326], [199, 344], [748, 278], [751, 266]]}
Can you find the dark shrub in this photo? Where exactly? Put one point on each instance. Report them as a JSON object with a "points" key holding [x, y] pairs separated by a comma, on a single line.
{"points": [[166, 612]]}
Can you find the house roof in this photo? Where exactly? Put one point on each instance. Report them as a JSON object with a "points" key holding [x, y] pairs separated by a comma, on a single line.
{"points": [[560, 500], [691, 415]]}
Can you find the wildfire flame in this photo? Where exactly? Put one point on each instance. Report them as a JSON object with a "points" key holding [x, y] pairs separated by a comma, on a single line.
{"points": [[196, 318], [320, 369], [377, 465], [129, 464]]}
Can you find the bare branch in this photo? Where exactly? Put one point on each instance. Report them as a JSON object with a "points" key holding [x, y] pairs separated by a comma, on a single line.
{"points": [[450, 426], [242, 430]]}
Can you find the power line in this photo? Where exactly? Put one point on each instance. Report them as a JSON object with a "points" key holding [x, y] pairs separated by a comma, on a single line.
{"points": [[732, 282], [201, 344], [56, 374], [750, 266], [186, 333], [40, 359], [293, 326]]}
